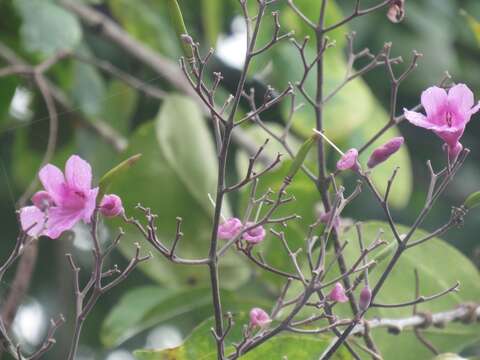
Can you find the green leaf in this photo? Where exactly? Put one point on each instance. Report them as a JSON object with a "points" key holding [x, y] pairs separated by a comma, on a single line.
{"points": [[200, 345], [144, 307], [88, 89], [439, 265], [473, 23], [107, 179], [473, 200], [301, 155], [47, 28], [181, 128]]}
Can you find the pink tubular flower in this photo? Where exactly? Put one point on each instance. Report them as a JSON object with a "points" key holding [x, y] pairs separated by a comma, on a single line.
{"points": [[337, 294], [349, 161], [111, 205], [382, 153], [365, 298], [255, 235], [447, 114], [258, 317], [65, 201], [229, 229]]}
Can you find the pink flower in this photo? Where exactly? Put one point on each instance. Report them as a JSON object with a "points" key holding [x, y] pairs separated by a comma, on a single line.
{"points": [[325, 217], [382, 153], [365, 298], [255, 235], [338, 294], [111, 205], [349, 161], [447, 114], [229, 229], [258, 317], [65, 201]]}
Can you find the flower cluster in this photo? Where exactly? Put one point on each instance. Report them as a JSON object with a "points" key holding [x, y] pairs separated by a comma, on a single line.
{"points": [[66, 199]]}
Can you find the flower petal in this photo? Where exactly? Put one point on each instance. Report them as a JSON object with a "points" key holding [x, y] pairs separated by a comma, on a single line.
{"points": [[475, 109], [460, 98], [53, 181], [434, 101], [90, 204], [78, 173], [32, 220], [418, 119], [60, 220]]}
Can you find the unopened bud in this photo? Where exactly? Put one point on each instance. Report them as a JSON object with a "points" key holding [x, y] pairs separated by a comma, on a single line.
{"points": [[349, 161], [258, 317], [229, 229], [111, 205], [383, 152], [338, 294], [365, 298], [255, 235]]}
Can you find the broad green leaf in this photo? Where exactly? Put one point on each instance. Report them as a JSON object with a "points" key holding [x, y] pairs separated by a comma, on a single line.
{"points": [[180, 129], [88, 89], [439, 266], [47, 28], [144, 307], [201, 345]]}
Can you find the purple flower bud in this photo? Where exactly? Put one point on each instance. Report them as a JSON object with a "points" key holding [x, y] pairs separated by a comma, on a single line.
{"points": [[365, 298], [349, 161], [229, 229], [42, 200], [382, 153], [255, 235], [337, 294], [111, 205], [258, 317], [325, 217]]}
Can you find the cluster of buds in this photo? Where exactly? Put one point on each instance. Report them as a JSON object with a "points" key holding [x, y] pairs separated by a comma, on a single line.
{"points": [[231, 227]]}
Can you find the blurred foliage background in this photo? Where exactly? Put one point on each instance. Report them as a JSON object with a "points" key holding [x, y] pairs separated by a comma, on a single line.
{"points": [[178, 168]]}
